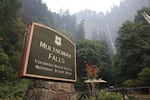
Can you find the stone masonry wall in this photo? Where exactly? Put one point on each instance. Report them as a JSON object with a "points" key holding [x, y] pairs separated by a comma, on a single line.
{"points": [[44, 90]]}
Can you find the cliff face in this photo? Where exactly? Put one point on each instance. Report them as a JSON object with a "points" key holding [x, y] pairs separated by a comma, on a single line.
{"points": [[100, 26]]}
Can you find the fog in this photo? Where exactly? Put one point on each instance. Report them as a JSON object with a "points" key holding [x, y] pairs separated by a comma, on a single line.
{"points": [[100, 26]]}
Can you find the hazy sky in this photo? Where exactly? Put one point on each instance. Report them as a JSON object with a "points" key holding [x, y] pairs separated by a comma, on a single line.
{"points": [[77, 5]]}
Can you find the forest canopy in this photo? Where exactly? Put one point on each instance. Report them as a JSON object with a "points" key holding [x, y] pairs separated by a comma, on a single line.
{"points": [[94, 34]]}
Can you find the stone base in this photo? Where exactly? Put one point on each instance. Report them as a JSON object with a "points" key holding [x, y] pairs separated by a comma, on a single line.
{"points": [[44, 90]]}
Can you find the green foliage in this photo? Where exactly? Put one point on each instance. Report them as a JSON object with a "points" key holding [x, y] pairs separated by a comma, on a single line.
{"points": [[14, 98], [4, 60], [133, 46], [144, 76], [91, 98], [8, 9], [103, 95], [13, 89], [132, 83], [11, 32], [96, 53]]}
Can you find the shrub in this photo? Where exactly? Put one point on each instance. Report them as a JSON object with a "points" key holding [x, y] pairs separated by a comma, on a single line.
{"points": [[103, 95], [132, 97]]}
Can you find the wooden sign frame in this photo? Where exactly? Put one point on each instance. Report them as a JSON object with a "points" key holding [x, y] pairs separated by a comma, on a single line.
{"points": [[48, 54]]}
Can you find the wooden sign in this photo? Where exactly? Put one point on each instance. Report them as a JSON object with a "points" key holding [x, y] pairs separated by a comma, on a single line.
{"points": [[48, 54]]}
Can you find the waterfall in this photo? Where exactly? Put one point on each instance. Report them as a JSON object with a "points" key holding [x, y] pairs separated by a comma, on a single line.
{"points": [[146, 16], [110, 38]]}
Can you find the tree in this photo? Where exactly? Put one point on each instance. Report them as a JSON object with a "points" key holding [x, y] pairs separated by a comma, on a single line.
{"points": [[11, 32], [139, 18], [144, 76], [80, 33], [37, 11], [133, 45], [96, 53]]}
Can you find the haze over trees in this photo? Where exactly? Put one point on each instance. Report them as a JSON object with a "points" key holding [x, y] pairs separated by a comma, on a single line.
{"points": [[37, 11], [123, 27], [105, 26]]}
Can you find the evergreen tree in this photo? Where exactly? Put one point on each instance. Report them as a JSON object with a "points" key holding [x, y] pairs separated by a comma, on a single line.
{"points": [[95, 53], [133, 45], [80, 33], [11, 33], [37, 11]]}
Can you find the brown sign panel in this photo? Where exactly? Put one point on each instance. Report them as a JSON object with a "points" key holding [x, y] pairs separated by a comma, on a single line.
{"points": [[48, 54]]}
